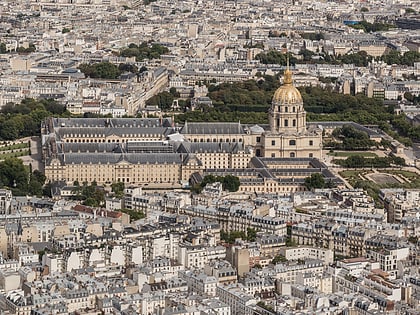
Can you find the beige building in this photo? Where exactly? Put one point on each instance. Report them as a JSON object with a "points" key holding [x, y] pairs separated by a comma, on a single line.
{"points": [[155, 153]]}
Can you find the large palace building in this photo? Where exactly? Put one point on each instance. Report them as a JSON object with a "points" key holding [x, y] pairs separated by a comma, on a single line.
{"points": [[155, 153]]}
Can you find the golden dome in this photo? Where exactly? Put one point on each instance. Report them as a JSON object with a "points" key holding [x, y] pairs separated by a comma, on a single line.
{"points": [[287, 94]]}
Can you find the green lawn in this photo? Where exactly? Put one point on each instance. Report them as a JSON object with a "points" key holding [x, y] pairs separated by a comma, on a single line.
{"points": [[13, 154], [352, 176], [14, 146], [353, 153], [407, 174]]}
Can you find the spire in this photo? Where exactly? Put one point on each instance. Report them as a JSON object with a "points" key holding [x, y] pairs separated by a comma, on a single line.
{"points": [[287, 73]]}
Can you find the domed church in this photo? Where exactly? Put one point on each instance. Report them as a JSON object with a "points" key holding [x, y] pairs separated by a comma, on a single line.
{"points": [[288, 135]]}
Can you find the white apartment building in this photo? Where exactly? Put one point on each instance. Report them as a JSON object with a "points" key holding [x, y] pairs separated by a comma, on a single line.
{"points": [[303, 252], [200, 283], [235, 296], [389, 258], [198, 256]]}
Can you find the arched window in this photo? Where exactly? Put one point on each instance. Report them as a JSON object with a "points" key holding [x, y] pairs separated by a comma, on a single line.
{"points": [[294, 122], [294, 109]]}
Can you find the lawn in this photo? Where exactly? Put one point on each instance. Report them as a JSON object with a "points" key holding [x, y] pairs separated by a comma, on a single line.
{"points": [[353, 153], [13, 154], [14, 146], [352, 176]]}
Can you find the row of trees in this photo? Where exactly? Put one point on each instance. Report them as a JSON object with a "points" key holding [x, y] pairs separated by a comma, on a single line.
{"points": [[359, 161], [275, 57], [359, 59]]}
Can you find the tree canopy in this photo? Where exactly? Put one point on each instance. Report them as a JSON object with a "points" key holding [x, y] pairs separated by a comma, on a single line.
{"points": [[102, 70], [275, 57], [372, 27], [229, 182], [19, 179], [315, 181], [24, 119], [92, 195], [351, 139], [144, 51]]}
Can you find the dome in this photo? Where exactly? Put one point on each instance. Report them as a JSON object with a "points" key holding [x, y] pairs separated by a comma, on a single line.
{"points": [[287, 94], [256, 129]]}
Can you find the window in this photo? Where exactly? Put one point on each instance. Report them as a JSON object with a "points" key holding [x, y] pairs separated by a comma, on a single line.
{"points": [[294, 109], [311, 155], [273, 155], [294, 122], [292, 154], [286, 123], [286, 109], [273, 142], [311, 142], [292, 142]]}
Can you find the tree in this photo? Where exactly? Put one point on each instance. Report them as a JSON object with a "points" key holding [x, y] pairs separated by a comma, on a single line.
{"points": [[128, 67], [231, 183], [102, 70], [316, 180], [278, 259], [14, 175], [134, 214], [275, 57], [163, 100], [3, 48], [118, 189], [174, 92], [251, 234], [306, 54]]}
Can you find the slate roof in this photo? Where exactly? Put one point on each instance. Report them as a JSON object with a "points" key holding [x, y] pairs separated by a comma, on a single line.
{"points": [[131, 158], [89, 132], [216, 128], [209, 147], [111, 122]]}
